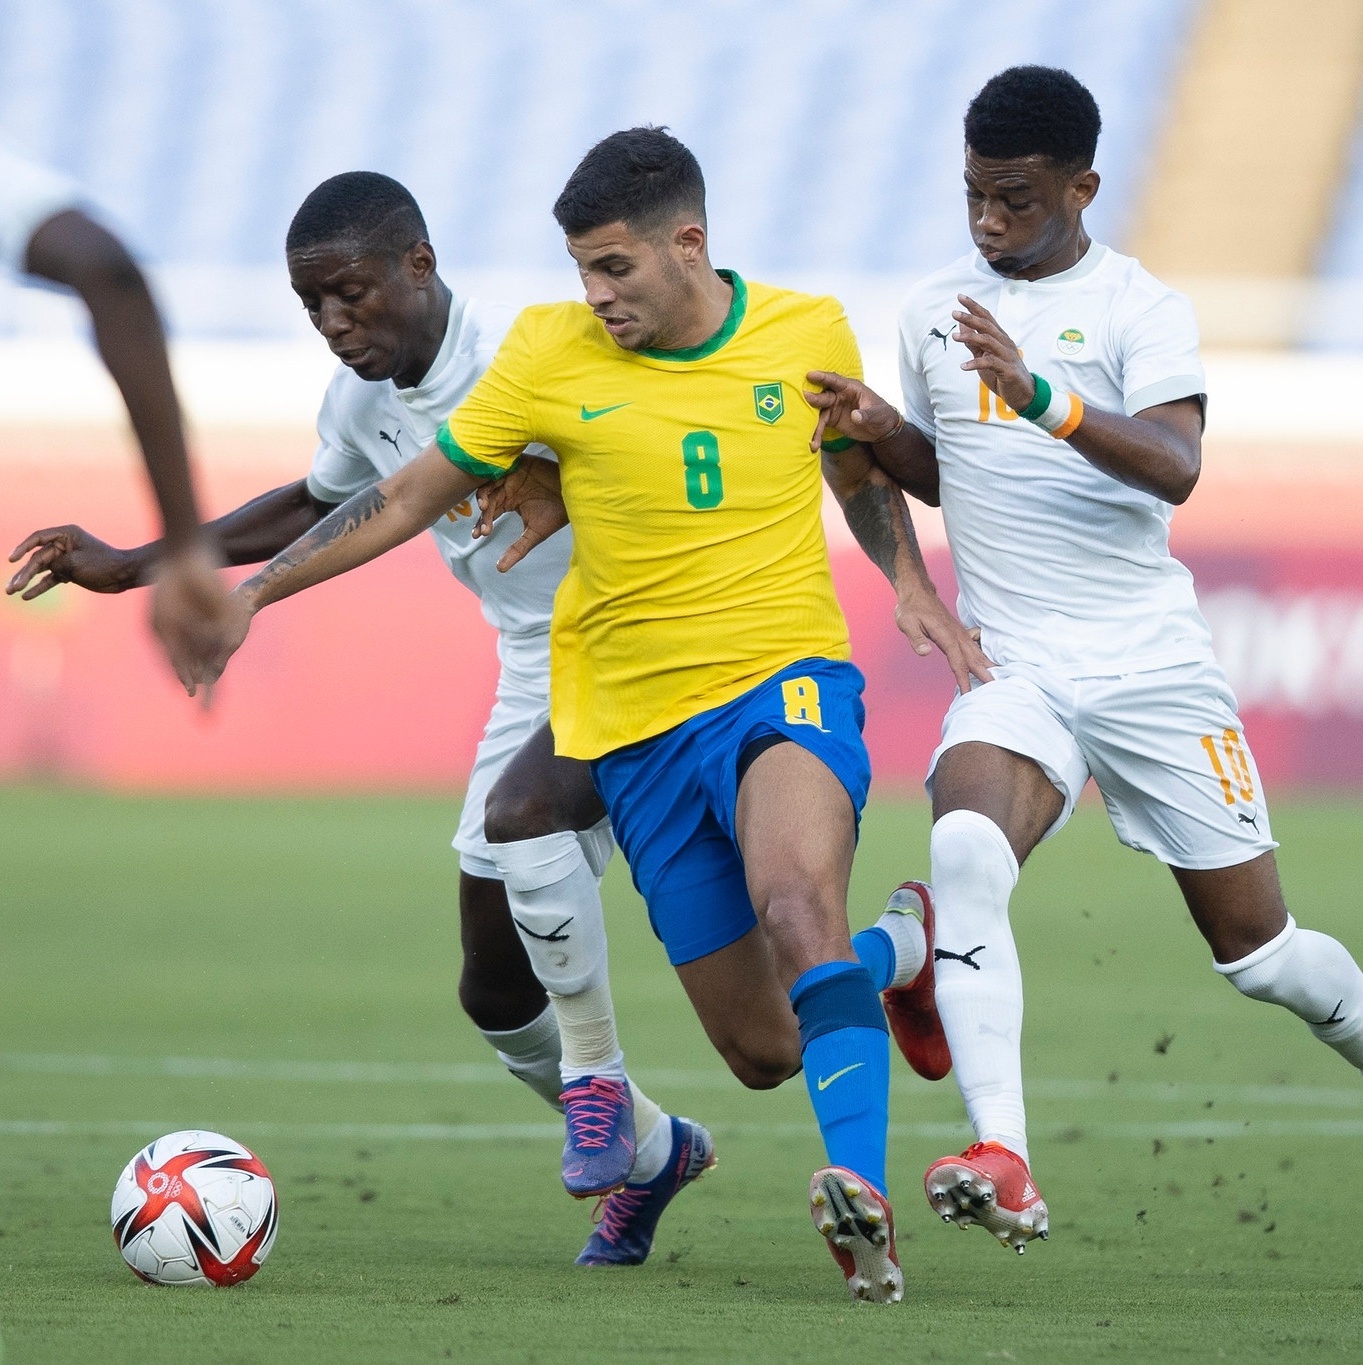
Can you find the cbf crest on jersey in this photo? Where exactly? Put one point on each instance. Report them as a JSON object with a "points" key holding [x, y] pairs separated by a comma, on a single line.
{"points": [[769, 400]]}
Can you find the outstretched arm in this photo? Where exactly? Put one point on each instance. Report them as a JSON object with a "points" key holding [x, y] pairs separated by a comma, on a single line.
{"points": [[189, 608], [879, 518], [897, 446], [252, 532], [366, 526]]}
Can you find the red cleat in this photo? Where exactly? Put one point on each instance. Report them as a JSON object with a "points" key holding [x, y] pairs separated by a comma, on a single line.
{"points": [[989, 1185], [859, 1225], [912, 1010]]}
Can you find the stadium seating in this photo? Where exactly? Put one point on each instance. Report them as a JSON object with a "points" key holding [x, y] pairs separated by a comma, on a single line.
{"points": [[830, 131], [1336, 320]]}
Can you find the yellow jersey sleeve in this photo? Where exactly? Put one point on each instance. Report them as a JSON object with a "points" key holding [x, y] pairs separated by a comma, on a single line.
{"points": [[843, 357], [485, 435]]}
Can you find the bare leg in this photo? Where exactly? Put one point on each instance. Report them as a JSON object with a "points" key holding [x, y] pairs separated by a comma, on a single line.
{"points": [[1258, 947], [497, 988]]}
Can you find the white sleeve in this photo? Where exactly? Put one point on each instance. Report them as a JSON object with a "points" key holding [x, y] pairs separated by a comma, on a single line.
{"points": [[338, 471], [29, 195], [912, 381], [1159, 356]]}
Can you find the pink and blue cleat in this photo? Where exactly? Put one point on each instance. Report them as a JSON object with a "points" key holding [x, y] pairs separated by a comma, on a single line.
{"points": [[629, 1216], [598, 1154]]}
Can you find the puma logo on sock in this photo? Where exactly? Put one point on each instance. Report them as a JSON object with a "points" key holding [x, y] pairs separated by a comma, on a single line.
{"points": [[1335, 1017], [941, 955]]}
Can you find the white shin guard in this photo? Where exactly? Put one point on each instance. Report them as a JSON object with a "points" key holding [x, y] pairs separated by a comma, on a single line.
{"points": [[1312, 975], [556, 905], [978, 977]]}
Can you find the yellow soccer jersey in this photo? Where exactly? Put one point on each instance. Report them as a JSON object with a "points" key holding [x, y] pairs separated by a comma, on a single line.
{"points": [[699, 565]]}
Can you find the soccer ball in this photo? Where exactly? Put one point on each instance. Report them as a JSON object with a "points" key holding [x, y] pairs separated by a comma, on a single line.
{"points": [[195, 1208]]}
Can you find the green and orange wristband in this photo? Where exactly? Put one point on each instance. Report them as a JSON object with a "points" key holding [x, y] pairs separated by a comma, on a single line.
{"points": [[1054, 410]]}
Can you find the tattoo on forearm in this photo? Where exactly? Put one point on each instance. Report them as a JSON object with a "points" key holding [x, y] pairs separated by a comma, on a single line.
{"points": [[348, 517], [877, 517]]}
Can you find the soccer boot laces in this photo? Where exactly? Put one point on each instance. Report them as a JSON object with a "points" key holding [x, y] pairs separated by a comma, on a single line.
{"points": [[989, 1185], [858, 1224], [598, 1153], [912, 1010], [627, 1219]]}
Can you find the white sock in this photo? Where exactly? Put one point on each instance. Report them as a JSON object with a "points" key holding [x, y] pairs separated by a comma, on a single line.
{"points": [[905, 928], [531, 1054], [1312, 975], [651, 1152], [979, 980], [555, 901]]}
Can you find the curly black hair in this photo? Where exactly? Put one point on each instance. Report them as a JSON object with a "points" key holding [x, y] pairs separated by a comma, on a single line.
{"points": [[1034, 111], [363, 208], [642, 177]]}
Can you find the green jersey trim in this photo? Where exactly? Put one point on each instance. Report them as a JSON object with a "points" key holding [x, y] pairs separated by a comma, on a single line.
{"points": [[837, 445], [737, 309], [470, 464]]}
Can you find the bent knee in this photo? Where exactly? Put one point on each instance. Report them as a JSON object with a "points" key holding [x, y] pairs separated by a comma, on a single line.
{"points": [[761, 1069], [512, 815]]}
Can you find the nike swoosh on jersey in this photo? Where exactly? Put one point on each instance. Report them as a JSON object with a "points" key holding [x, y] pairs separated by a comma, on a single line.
{"points": [[826, 1081], [591, 414]]}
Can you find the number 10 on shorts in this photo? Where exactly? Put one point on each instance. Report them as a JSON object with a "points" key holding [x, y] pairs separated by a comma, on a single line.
{"points": [[1234, 773]]}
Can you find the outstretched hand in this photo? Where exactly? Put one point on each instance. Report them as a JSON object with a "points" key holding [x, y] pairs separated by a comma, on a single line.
{"points": [[925, 622], [200, 655], [531, 490], [69, 554], [848, 406]]}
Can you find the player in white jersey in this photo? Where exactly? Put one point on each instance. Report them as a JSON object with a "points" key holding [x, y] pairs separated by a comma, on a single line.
{"points": [[1053, 404], [533, 840], [46, 232]]}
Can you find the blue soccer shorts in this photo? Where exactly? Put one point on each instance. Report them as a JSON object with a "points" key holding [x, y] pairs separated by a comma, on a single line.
{"points": [[672, 798]]}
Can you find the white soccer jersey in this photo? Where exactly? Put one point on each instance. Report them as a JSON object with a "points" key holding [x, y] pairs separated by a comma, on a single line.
{"points": [[29, 195], [1059, 564], [368, 430]]}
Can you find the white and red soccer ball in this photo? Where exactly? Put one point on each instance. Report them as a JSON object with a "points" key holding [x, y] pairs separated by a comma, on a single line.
{"points": [[195, 1208]]}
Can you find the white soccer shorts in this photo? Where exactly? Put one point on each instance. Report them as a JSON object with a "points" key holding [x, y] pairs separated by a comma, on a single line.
{"points": [[520, 708], [1165, 748]]}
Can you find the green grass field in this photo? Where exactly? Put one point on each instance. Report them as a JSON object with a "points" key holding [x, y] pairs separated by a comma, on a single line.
{"points": [[283, 971]]}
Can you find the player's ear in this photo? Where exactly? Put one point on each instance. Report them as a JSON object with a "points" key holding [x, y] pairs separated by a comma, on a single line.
{"points": [[688, 241], [1084, 187], [421, 262]]}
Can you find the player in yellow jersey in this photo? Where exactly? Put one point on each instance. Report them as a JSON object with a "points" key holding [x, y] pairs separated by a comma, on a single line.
{"points": [[699, 656]]}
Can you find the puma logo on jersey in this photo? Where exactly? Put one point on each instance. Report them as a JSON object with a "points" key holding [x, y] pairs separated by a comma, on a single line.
{"points": [[553, 936], [1335, 1017], [941, 955], [943, 337], [392, 440], [591, 414], [1248, 819]]}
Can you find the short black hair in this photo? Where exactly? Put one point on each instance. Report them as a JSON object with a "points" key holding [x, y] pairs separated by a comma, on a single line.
{"points": [[642, 177], [1034, 111], [362, 208]]}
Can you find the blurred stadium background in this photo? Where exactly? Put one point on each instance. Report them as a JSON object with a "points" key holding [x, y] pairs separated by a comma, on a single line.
{"points": [[1232, 164]]}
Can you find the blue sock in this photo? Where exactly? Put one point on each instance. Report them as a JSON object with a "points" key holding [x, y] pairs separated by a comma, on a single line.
{"points": [[846, 1049], [875, 950]]}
